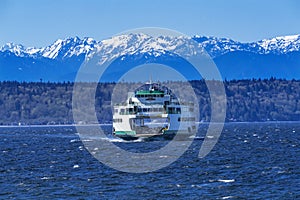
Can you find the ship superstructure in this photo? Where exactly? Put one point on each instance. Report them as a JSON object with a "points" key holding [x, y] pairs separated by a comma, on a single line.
{"points": [[153, 110]]}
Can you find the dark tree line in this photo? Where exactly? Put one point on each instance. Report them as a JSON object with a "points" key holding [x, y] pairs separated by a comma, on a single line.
{"points": [[51, 103]]}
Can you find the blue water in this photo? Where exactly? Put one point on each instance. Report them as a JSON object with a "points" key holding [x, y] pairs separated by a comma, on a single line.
{"points": [[250, 161]]}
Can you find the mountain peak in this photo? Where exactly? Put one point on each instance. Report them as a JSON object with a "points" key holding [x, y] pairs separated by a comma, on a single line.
{"points": [[140, 42], [288, 37], [69, 47], [234, 58], [281, 44], [18, 49]]}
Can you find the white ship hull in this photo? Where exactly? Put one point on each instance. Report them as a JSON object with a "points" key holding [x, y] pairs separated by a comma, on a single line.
{"points": [[149, 113]]}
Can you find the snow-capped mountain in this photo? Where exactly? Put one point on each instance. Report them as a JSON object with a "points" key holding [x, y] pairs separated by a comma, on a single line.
{"points": [[115, 46], [61, 60], [278, 45], [69, 47], [19, 50], [131, 43], [59, 49]]}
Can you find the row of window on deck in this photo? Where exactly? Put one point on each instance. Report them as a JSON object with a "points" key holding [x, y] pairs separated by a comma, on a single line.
{"points": [[149, 95], [128, 111], [183, 119]]}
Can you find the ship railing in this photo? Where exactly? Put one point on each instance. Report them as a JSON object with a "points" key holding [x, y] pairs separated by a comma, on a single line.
{"points": [[150, 113], [121, 104]]}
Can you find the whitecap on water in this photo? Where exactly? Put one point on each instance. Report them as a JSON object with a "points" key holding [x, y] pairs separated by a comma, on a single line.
{"points": [[80, 148], [163, 156], [200, 185], [45, 178], [226, 180], [114, 139], [227, 197], [74, 140], [198, 138], [87, 140], [139, 140]]}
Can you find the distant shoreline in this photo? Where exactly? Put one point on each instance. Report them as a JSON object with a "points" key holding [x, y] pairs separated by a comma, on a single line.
{"points": [[74, 125], [51, 103], [51, 125]]}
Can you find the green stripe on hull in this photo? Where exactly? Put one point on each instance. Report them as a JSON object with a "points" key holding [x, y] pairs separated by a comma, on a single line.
{"points": [[145, 92], [125, 133], [166, 132]]}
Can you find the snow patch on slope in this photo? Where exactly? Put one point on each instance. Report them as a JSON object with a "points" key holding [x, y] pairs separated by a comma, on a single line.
{"points": [[142, 43]]}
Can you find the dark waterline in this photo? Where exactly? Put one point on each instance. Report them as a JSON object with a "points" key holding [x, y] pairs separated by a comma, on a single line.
{"points": [[250, 161]]}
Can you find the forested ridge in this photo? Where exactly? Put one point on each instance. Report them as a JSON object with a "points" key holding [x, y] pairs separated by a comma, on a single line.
{"points": [[51, 103]]}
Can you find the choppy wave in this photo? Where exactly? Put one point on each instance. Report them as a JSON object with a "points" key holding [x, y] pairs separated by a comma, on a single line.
{"points": [[250, 161]]}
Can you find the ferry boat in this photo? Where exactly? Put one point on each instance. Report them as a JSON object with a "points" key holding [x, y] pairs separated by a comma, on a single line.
{"points": [[152, 110]]}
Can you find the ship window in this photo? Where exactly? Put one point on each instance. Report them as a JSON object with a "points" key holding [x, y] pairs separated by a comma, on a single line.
{"points": [[186, 119], [130, 110], [172, 110], [117, 120], [122, 111], [116, 111], [144, 109]]}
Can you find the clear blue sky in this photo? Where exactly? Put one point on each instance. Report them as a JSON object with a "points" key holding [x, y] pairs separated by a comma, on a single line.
{"points": [[41, 22]]}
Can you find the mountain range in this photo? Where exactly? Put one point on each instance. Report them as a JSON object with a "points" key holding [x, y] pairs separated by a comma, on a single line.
{"points": [[276, 57]]}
